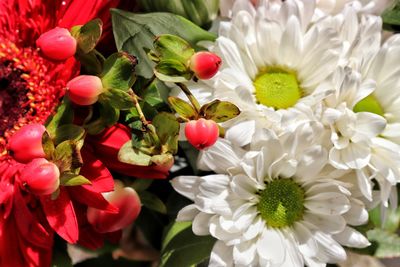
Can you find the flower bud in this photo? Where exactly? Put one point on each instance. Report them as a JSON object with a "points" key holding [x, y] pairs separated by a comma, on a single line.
{"points": [[205, 64], [57, 44], [40, 177], [26, 143], [85, 89], [128, 203], [202, 133]]}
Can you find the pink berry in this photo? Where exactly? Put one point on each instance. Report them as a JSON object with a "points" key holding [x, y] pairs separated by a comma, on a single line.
{"points": [[128, 203], [26, 143], [202, 133], [85, 89], [40, 177], [205, 64], [57, 44]]}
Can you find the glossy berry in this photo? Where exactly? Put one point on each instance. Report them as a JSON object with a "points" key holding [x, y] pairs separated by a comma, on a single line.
{"points": [[57, 44], [202, 133], [26, 143], [40, 177], [205, 64], [128, 203], [85, 89]]}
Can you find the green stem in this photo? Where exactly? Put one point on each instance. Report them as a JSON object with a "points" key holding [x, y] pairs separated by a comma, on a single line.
{"points": [[150, 128], [190, 96]]}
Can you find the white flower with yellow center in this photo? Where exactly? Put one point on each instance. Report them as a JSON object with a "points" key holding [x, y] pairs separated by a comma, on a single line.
{"points": [[356, 134], [273, 60], [272, 205]]}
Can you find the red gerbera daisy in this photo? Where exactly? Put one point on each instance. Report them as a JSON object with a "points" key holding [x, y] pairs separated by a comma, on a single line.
{"points": [[31, 86]]}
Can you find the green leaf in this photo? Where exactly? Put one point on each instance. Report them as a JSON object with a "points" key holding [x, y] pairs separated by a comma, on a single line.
{"points": [[71, 179], [219, 111], [182, 248], [152, 202], [200, 12], [88, 35], [119, 71], [166, 159], [182, 107], [391, 16], [48, 145], [117, 99], [388, 243], [64, 115], [154, 93], [108, 117], [136, 32], [92, 62], [67, 155], [167, 128], [392, 222], [173, 71], [69, 132], [129, 154], [173, 47], [141, 184]]}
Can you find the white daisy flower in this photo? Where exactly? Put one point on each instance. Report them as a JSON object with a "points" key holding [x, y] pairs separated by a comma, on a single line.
{"points": [[363, 6], [273, 60], [358, 136], [273, 205]]}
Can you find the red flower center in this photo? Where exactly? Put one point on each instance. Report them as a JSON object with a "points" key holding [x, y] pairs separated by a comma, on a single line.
{"points": [[28, 93]]}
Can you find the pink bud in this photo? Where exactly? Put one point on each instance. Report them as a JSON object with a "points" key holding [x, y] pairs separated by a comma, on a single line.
{"points": [[85, 89], [126, 200], [205, 64], [57, 44], [40, 177], [202, 133], [26, 143]]}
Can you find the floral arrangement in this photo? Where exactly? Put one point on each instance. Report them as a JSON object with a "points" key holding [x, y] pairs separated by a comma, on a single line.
{"points": [[199, 133]]}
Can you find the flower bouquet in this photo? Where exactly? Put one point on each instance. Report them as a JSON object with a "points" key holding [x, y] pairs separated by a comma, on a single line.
{"points": [[199, 133]]}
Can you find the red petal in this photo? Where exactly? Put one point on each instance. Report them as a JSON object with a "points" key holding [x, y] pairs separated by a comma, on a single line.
{"points": [[91, 198], [28, 225], [61, 216], [96, 172]]}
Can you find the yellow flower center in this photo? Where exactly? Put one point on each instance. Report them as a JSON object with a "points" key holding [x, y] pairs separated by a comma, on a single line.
{"points": [[277, 88], [369, 104], [281, 203]]}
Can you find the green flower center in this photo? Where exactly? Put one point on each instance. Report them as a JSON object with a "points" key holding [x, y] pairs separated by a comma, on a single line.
{"points": [[277, 88], [369, 104], [281, 203]]}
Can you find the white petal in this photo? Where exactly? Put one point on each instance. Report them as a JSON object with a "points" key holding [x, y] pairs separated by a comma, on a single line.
{"points": [[368, 125], [244, 186], [187, 213], [328, 203], [221, 255], [244, 253], [186, 185], [201, 223], [330, 250], [271, 247], [241, 133], [326, 223], [351, 238]]}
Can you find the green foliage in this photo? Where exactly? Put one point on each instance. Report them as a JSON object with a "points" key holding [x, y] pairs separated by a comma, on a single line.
{"points": [[64, 115], [200, 12], [183, 108], [391, 17], [219, 111], [151, 201], [182, 248], [135, 33], [388, 243], [119, 71], [72, 179], [88, 35]]}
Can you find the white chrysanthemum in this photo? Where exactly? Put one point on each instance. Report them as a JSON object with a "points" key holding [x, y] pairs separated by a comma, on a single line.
{"points": [[364, 6], [273, 60], [357, 136], [272, 205]]}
